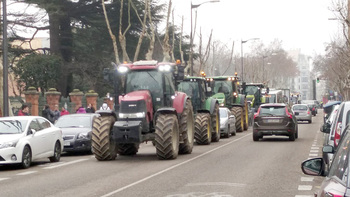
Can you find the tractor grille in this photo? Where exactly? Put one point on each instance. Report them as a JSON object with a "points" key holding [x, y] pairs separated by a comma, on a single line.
{"points": [[132, 106]]}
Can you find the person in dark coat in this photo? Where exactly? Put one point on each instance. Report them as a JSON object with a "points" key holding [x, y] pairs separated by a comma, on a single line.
{"points": [[56, 113], [90, 108], [48, 114]]}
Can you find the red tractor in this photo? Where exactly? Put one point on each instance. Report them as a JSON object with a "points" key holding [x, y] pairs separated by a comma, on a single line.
{"points": [[149, 109]]}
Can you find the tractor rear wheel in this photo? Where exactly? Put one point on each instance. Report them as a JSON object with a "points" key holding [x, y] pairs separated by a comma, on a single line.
{"points": [[215, 122], [187, 129], [237, 111], [167, 136], [203, 129], [128, 149], [103, 146]]}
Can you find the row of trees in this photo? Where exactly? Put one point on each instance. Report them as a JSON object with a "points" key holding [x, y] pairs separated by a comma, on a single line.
{"points": [[334, 65]]}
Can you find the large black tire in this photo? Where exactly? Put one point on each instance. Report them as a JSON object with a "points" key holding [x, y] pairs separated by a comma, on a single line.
{"points": [[202, 129], [187, 129], [237, 111], [167, 136], [227, 135], [128, 149], [215, 123], [103, 146], [26, 157], [292, 137], [57, 153], [255, 137], [245, 116]]}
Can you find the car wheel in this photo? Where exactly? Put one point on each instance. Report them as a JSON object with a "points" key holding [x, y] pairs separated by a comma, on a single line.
{"points": [[26, 157], [57, 153], [292, 137], [255, 137]]}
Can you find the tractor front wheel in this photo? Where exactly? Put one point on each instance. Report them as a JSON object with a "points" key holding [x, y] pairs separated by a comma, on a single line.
{"points": [[103, 146], [215, 122], [237, 111], [167, 136], [203, 129]]}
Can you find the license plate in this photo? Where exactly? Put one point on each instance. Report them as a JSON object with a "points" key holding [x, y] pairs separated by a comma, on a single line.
{"points": [[273, 120], [66, 143]]}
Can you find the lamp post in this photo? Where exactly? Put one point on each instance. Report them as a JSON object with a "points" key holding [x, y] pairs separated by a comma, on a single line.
{"points": [[265, 56], [191, 36], [242, 42], [5, 62]]}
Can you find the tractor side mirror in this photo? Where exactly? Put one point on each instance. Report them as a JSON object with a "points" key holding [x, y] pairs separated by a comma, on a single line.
{"points": [[243, 88], [180, 73], [106, 74]]}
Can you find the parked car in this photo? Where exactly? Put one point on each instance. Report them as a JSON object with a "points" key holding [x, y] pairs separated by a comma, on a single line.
{"points": [[227, 122], [336, 182], [28, 138], [342, 119], [328, 108], [76, 129], [275, 119], [325, 128], [302, 112]]}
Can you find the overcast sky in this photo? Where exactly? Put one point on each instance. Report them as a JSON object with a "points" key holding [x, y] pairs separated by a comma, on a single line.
{"points": [[300, 24]]}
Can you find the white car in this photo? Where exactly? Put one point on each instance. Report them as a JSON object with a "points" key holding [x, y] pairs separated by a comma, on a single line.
{"points": [[227, 122], [24, 139]]}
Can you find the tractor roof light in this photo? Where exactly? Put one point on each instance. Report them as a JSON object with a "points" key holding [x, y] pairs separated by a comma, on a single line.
{"points": [[203, 74], [164, 68], [122, 69], [235, 94], [237, 82], [230, 78], [236, 73]]}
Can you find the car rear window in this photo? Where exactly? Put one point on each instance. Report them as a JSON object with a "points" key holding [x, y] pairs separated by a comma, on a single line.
{"points": [[223, 113], [300, 107], [272, 111]]}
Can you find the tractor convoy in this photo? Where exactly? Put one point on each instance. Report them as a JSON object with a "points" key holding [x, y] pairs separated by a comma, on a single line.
{"points": [[155, 102]]}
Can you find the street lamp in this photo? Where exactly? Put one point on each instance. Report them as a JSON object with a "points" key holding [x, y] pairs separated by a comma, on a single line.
{"points": [[242, 42], [265, 56], [191, 36], [5, 110]]}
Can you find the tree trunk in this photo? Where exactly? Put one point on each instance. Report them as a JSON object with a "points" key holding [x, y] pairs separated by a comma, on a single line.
{"points": [[143, 31], [122, 38], [166, 48], [149, 54]]}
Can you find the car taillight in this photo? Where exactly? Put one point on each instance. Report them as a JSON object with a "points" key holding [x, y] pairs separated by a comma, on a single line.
{"points": [[329, 194], [308, 112], [313, 109], [288, 114], [337, 134], [257, 113]]}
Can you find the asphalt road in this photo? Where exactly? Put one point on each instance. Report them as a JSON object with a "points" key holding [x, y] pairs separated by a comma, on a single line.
{"points": [[236, 166]]}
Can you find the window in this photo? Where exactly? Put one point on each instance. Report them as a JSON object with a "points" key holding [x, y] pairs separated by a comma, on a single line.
{"points": [[340, 162], [44, 124], [272, 110], [35, 125]]}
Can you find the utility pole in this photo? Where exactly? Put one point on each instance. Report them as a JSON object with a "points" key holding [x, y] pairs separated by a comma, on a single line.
{"points": [[5, 110]]}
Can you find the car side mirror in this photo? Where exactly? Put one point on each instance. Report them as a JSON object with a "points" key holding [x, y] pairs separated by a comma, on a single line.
{"points": [[328, 149], [313, 167], [325, 128], [31, 132]]}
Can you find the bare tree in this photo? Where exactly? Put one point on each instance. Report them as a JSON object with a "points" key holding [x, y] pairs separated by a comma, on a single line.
{"points": [[114, 39], [166, 46], [180, 44], [122, 38], [137, 51], [152, 37], [203, 57]]}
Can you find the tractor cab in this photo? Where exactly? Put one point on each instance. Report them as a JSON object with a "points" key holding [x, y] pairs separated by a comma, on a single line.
{"points": [[225, 89], [253, 92]]}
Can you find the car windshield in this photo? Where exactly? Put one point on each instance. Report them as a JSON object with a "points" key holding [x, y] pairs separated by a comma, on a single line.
{"points": [[12, 126], [272, 111], [300, 107], [74, 121], [223, 113]]}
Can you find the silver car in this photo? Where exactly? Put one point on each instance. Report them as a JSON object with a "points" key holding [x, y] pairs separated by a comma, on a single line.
{"points": [[227, 122], [76, 130], [302, 112]]}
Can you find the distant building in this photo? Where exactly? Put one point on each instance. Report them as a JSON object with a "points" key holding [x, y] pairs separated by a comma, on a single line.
{"points": [[302, 83]]}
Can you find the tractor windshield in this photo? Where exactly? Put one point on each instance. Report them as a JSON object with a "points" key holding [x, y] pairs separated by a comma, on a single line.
{"points": [[222, 87], [145, 80], [251, 90], [190, 88]]}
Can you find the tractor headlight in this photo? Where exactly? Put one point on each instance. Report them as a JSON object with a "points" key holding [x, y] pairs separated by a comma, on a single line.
{"points": [[123, 69], [8, 144], [132, 115], [164, 68]]}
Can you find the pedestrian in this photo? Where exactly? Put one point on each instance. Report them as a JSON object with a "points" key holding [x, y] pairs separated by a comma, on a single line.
{"points": [[90, 108], [104, 107], [47, 113], [64, 111], [81, 110], [24, 111], [56, 113]]}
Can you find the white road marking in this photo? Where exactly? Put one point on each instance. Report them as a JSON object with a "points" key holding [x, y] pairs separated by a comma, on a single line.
{"points": [[3, 179], [65, 164], [307, 178], [305, 187], [315, 148], [217, 184], [172, 167], [50, 164], [26, 173], [303, 196], [313, 155], [313, 151]]}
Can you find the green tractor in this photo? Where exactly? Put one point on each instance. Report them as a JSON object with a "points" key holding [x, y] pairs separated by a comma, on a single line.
{"points": [[225, 90], [206, 109], [253, 94]]}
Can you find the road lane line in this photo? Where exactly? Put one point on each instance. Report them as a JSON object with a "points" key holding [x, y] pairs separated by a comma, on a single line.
{"points": [[313, 155], [172, 167], [313, 151], [303, 196], [217, 184], [65, 164], [307, 179], [305, 187], [315, 148], [26, 173], [3, 179]]}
